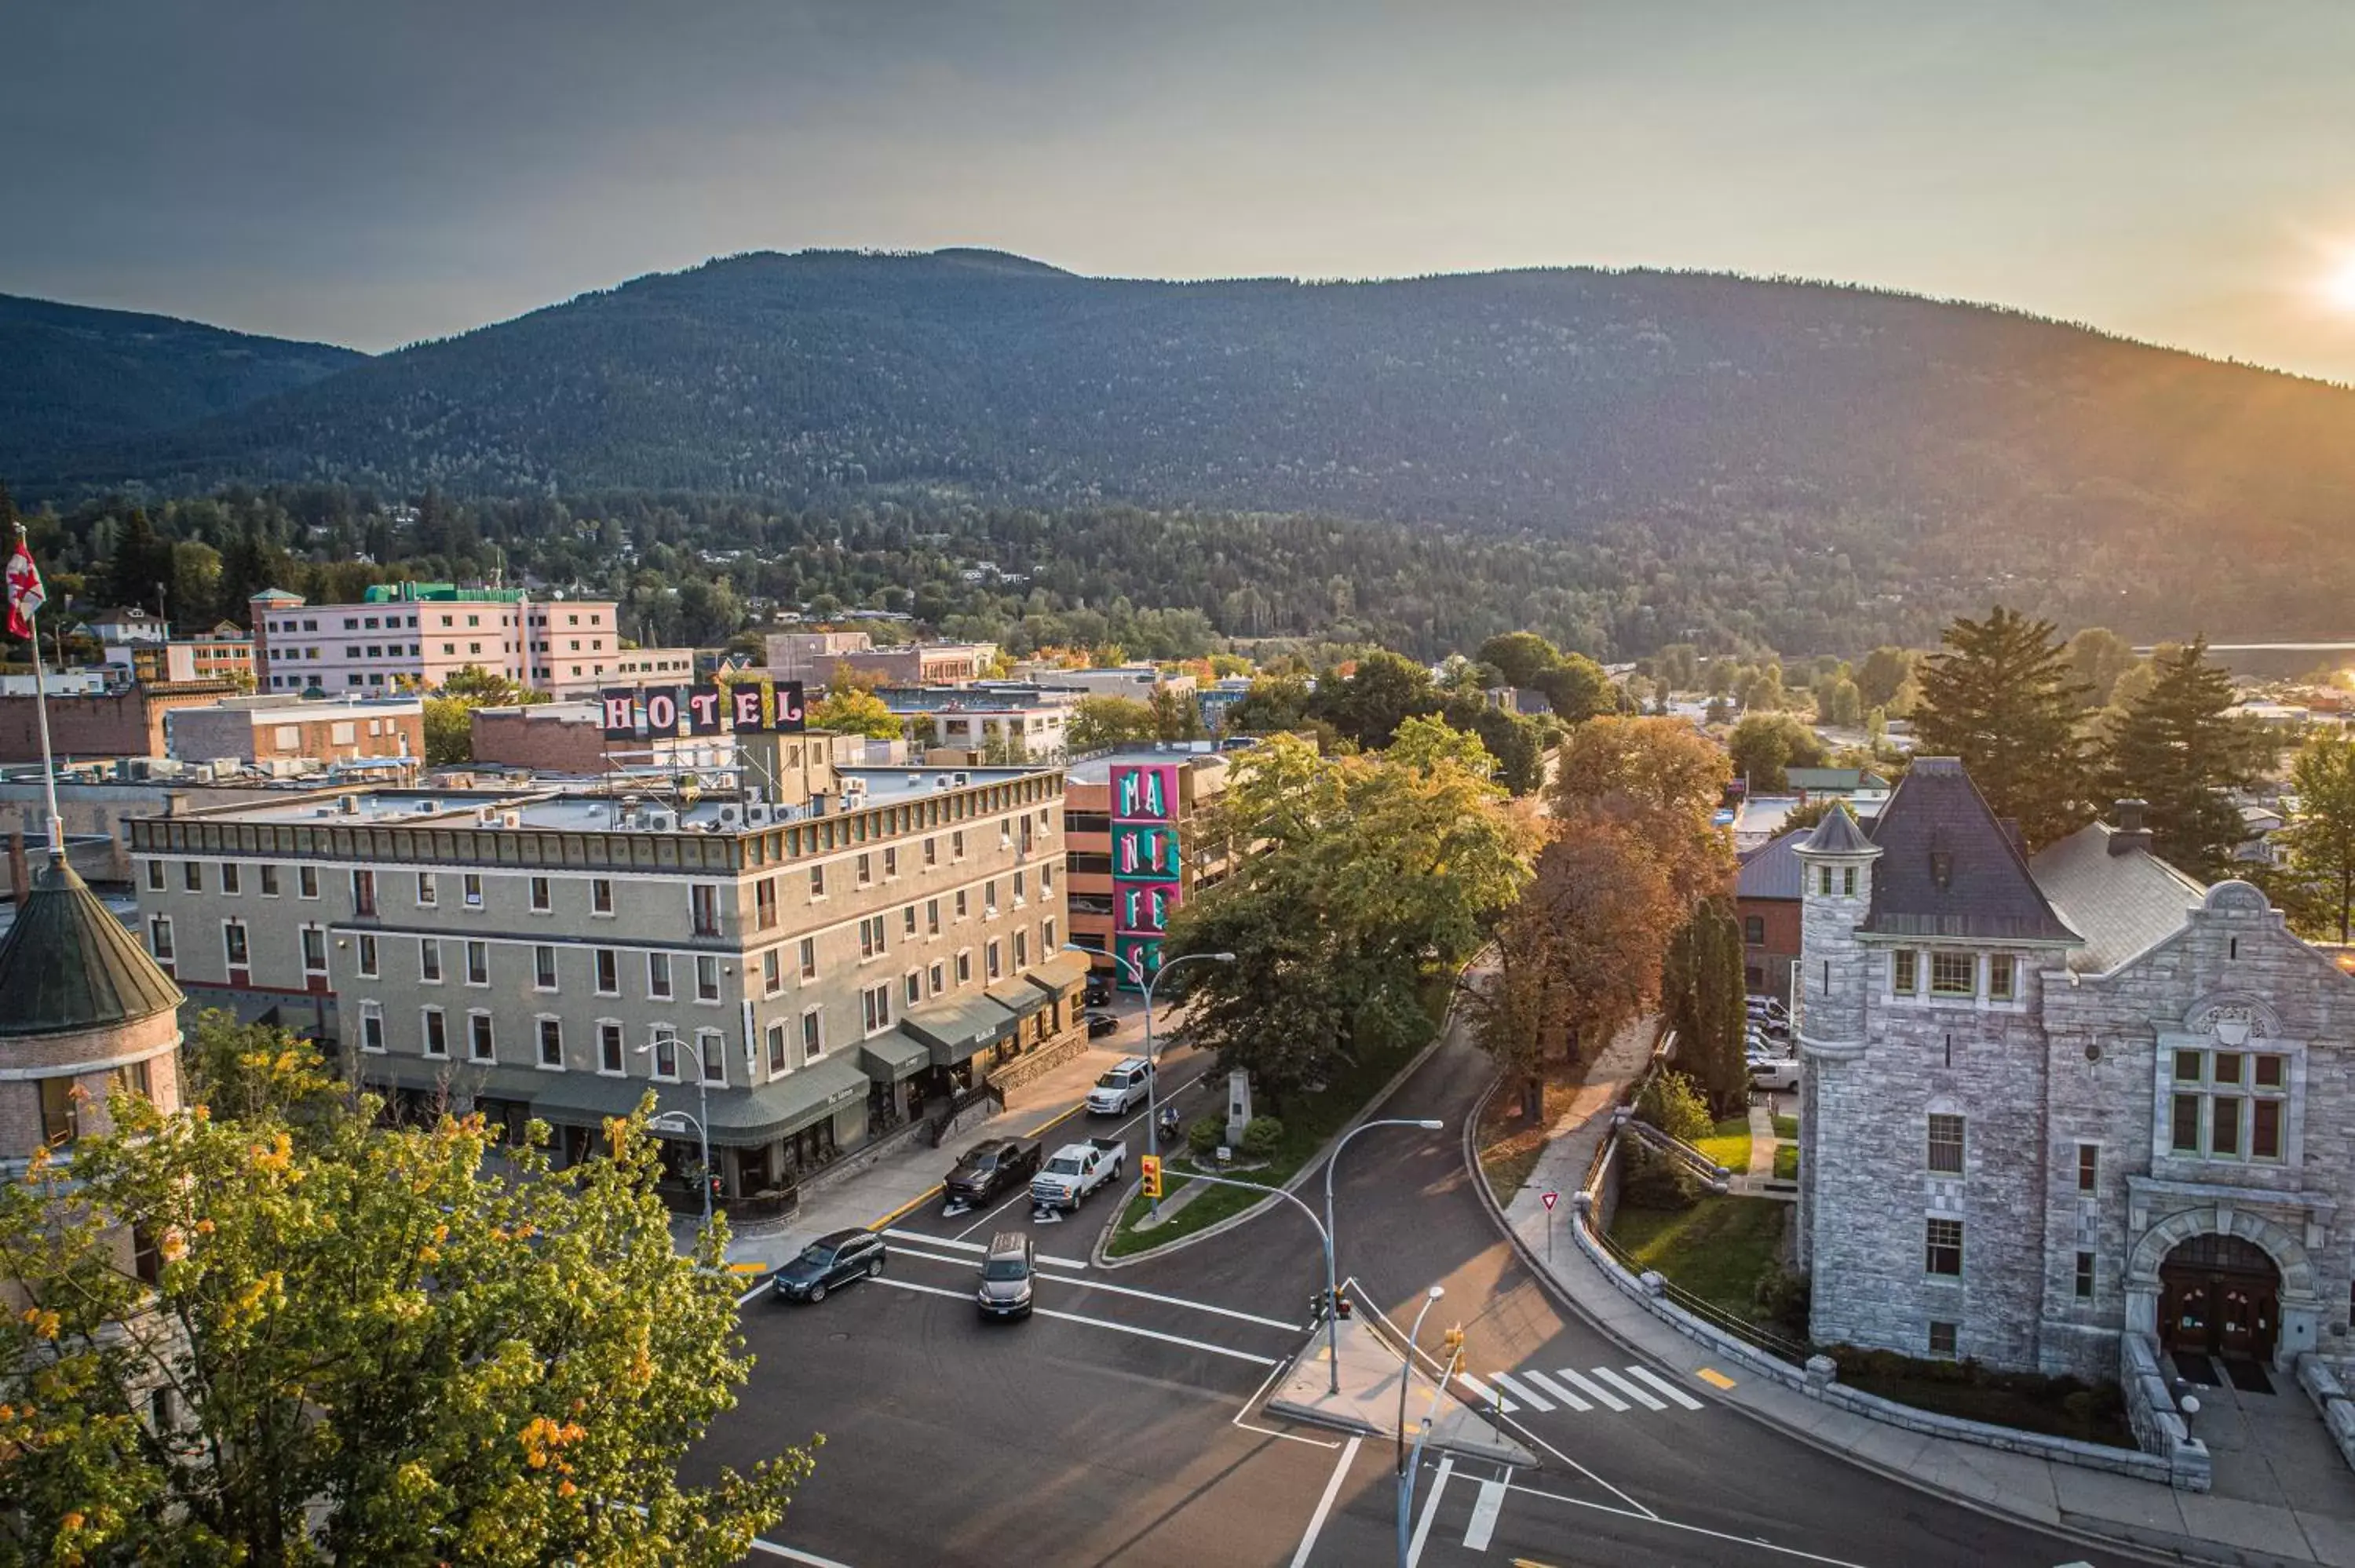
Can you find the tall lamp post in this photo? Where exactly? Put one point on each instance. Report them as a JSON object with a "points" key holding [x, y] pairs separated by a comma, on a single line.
{"points": [[1153, 1076], [1333, 1240], [675, 1121], [1406, 1375]]}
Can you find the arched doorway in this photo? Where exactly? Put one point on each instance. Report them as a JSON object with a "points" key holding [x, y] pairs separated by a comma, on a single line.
{"points": [[2220, 1295]]}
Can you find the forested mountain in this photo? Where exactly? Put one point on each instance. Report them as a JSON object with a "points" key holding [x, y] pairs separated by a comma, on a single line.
{"points": [[1637, 457], [71, 377]]}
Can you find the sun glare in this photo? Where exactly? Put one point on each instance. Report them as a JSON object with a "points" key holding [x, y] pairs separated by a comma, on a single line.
{"points": [[2339, 287]]}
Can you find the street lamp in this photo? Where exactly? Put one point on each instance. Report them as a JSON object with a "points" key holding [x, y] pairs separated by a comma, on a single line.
{"points": [[1333, 1241], [1153, 1074], [678, 1121], [1406, 1374]]}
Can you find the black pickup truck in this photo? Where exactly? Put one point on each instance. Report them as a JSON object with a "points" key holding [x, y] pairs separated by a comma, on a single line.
{"points": [[988, 1169]]}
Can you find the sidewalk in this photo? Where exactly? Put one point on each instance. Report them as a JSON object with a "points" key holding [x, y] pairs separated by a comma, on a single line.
{"points": [[1368, 1403], [2206, 1527]]}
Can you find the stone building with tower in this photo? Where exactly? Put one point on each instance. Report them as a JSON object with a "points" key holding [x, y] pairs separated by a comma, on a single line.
{"points": [[2051, 1100]]}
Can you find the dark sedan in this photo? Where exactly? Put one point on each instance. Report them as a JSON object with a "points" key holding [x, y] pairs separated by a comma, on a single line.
{"points": [[1101, 1024], [829, 1261]]}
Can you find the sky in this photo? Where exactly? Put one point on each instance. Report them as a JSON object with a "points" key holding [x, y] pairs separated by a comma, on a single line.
{"points": [[375, 174]]}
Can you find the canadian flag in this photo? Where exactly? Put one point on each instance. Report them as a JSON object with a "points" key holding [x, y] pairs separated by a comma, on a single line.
{"points": [[25, 594]]}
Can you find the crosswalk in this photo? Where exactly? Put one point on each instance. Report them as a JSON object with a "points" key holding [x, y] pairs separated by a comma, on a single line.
{"points": [[1610, 1390]]}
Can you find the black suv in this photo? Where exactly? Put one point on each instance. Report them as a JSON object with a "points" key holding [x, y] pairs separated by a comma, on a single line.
{"points": [[988, 1169], [829, 1261]]}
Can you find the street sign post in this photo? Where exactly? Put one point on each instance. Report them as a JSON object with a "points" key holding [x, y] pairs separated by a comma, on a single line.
{"points": [[1550, 1200]]}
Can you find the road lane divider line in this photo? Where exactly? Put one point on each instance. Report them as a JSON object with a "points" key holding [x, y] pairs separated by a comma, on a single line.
{"points": [[1429, 1509], [810, 1559], [1485, 1510], [1630, 1389], [1325, 1503], [1561, 1394], [1293, 1328], [1664, 1386], [1647, 1517], [1520, 1391], [918, 1238], [1593, 1389], [1204, 1345]]}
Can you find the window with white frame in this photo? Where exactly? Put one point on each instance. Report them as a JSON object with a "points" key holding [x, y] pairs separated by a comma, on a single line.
{"points": [[306, 882], [1942, 1245], [1021, 950], [961, 909], [779, 1046], [1046, 934], [711, 1051], [429, 959], [931, 918], [543, 896], [1905, 971], [192, 875], [1046, 881], [809, 958], [817, 882], [231, 882], [234, 947], [658, 976], [268, 881], [666, 1052], [371, 1027], [159, 937], [609, 1047], [364, 956], [908, 921], [772, 972], [2003, 978], [608, 967], [428, 890], [996, 971], [707, 977], [932, 853], [314, 952], [965, 966], [478, 963], [875, 1008], [601, 895], [2229, 1105], [482, 1042], [912, 988], [865, 863], [812, 1035], [433, 1031], [552, 1041], [939, 973], [155, 876], [870, 938], [470, 883]]}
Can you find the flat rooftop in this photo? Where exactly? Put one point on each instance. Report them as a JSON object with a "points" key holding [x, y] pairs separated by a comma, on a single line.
{"points": [[1097, 768]]}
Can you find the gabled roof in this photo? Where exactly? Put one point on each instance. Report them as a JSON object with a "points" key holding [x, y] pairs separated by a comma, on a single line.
{"points": [[2123, 899], [67, 965], [1837, 833], [1948, 869], [1772, 871]]}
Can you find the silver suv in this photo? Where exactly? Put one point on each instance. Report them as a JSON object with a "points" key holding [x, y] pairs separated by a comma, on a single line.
{"points": [[1007, 1272], [1122, 1087]]}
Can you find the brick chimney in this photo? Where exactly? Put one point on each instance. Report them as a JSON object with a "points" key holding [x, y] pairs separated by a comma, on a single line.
{"points": [[2129, 834], [20, 881]]}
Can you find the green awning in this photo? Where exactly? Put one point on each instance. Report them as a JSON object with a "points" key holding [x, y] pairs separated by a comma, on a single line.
{"points": [[1019, 997], [959, 1028], [893, 1056], [1063, 973], [741, 1118]]}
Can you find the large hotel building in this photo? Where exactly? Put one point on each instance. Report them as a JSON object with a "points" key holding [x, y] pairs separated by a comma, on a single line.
{"points": [[809, 964]]}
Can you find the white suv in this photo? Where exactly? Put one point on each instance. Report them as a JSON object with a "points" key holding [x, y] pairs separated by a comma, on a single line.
{"points": [[1123, 1086]]}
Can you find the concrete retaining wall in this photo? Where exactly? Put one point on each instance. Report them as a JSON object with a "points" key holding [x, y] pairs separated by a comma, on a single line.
{"points": [[2325, 1383], [2158, 1426]]}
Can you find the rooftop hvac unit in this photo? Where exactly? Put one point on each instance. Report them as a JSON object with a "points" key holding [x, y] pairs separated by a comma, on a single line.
{"points": [[759, 816], [661, 821], [730, 816], [854, 786], [941, 781]]}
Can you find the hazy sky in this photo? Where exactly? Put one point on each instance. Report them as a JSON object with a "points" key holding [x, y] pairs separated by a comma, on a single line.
{"points": [[371, 174]]}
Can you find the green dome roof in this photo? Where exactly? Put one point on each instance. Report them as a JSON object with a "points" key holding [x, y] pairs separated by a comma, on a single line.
{"points": [[68, 965]]}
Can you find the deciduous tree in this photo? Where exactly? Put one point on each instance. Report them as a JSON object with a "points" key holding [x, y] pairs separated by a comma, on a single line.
{"points": [[850, 711], [1661, 781], [1099, 722], [2319, 838]]}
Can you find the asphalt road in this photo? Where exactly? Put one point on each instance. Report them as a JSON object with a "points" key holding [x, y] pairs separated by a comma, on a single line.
{"points": [[1117, 1424]]}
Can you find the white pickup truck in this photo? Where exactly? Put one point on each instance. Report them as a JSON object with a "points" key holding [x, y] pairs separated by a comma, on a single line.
{"points": [[1077, 1170]]}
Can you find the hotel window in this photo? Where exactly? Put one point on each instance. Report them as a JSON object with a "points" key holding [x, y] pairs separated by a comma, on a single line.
{"points": [[427, 894], [2089, 1166], [809, 958], [371, 1027], [956, 844], [665, 1045], [601, 895], [932, 916], [1954, 974], [1943, 1248], [233, 944], [609, 972], [965, 967], [478, 963], [482, 1043], [764, 904], [772, 972], [1905, 971], [2084, 1277], [364, 892], [609, 1046], [1947, 1145], [192, 875], [1944, 1338], [870, 938], [2228, 1105], [875, 1008], [932, 853], [364, 958], [269, 882], [890, 863], [812, 1035], [940, 978], [658, 976], [61, 1112], [866, 869], [472, 883], [159, 937], [306, 881], [2000, 977], [155, 876], [711, 1051], [542, 899], [777, 1048], [229, 878], [912, 992], [707, 977], [996, 970], [817, 882], [551, 1043], [908, 921], [435, 1032], [543, 968]]}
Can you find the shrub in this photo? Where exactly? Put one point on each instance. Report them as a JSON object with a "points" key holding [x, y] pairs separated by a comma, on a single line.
{"points": [[1650, 1179], [1782, 1300], [1205, 1136], [1262, 1134], [1674, 1103]]}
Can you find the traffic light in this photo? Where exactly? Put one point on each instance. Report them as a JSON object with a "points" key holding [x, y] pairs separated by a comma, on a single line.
{"points": [[1341, 1306], [1149, 1166], [718, 1189], [1454, 1340]]}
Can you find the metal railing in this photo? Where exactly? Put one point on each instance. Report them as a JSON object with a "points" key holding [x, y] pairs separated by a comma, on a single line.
{"points": [[1709, 1312], [944, 1121]]}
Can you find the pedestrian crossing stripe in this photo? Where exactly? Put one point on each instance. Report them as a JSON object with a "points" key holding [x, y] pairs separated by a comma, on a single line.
{"points": [[1566, 1388]]}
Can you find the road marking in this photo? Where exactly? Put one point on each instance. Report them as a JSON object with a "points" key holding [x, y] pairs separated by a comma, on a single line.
{"points": [[1588, 1386], [1560, 1393], [790, 1555], [1647, 1517], [1483, 1524], [1480, 1391], [1325, 1503], [1621, 1384], [918, 1201], [1021, 1197], [1664, 1386], [749, 1294], [1714, 1378], [1093, 1322], [748, 1268], [1273, 1372], [1292, 1328], [1429, 1509], [1520, 1391], [920, 1239]]}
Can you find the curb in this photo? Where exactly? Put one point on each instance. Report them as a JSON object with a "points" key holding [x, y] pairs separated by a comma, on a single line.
{"points": [[1556, 1292], [1097, 1254]]}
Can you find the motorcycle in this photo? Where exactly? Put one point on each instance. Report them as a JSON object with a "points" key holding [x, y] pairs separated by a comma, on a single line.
{"points": [[1169, 1125]]}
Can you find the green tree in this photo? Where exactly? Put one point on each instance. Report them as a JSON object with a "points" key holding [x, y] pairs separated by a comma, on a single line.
{"points": [[2098, 656], [1520, 658], [1702, 991], [2001, 696], [2179, 749], [1518, 744], [2319, 837], [1101, 722], [383, 1344], [1172, 715], [1274, 704], [449, 716], [1763, 745], [1367, 704], [143, 565], [1837, 703], [1882, 675], [850, 711], [1577, 689]]}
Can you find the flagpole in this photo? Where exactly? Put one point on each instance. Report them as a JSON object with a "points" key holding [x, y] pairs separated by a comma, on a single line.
{"points": [[41, 716]]}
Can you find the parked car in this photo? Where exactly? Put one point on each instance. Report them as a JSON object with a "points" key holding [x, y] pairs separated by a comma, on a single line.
{"points": [[1767, 1007], [1008, 1276], [1077, 1170], [1101, 1024], [1780, 1075], [830, 1261], [1098, 994], [1123, 1084], [988, 1169]]}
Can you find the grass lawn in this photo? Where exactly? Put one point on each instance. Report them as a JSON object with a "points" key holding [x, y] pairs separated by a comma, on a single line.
{"points": [[1719, 1249], [1308, 1120], [1509, 1146], [1786, 1127], [1787, 1162], [1728, 1143]]}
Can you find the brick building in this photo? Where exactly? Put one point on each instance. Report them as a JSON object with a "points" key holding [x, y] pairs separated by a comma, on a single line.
{"points": [[281, 727], [1766, 898], [1136, 850], [127, 721]]}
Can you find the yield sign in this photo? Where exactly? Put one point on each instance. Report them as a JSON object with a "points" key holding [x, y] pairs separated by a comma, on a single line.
{"points": [[1551, 1199]]}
